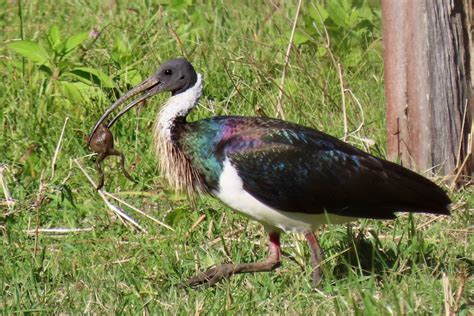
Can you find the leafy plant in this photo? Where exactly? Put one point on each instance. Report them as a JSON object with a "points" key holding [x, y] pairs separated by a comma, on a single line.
{"points": [[350, 24], [55, 57], [123, 60]]}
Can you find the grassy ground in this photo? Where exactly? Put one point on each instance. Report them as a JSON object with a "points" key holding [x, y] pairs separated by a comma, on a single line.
{"points": [[413, 265]]}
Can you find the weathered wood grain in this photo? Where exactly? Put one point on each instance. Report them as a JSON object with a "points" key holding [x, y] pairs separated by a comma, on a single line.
{"points": [[428, 83]]}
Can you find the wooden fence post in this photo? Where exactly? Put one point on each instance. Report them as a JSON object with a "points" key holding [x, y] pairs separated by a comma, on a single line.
{"points": [[427, 47]]}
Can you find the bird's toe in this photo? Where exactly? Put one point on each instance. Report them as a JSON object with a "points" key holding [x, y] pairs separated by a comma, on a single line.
{"points": [[211, 276], [316, 278]]}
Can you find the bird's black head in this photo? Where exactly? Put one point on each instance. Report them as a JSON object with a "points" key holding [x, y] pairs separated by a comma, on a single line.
{"points": [[174, 75]]}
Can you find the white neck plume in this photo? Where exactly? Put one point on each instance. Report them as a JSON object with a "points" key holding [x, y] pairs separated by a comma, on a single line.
{"points": [[174, 165], [177, 106]]}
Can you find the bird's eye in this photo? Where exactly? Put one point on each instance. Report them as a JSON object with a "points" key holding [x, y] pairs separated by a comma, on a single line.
{"points": [[168, 72]]}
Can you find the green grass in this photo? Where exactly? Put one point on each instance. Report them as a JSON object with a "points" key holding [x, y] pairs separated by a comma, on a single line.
{"points": [[413, 265]]}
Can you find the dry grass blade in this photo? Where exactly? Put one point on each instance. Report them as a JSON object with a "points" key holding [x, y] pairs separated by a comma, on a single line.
{"points": [[138, 210], [459, 172], [117, 210], [429, 221], [196, 224], [448, 297], [58, 148], [6, 192], [361, 111], [460, 291], [57, 231], [199, 221], [279, 105], [121, 212], [458, 156], [338, 67], [343, 95], [367, 142], [40, 196], [468, 155], [228, 235]]}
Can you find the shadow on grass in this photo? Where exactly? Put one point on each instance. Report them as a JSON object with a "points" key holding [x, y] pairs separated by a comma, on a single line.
{"points": [[368, 255]]}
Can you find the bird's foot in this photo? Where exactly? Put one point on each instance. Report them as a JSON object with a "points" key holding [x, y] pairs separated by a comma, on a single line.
{"points": [[317, 278], [316, 257], [212, 275], [224, 271]]}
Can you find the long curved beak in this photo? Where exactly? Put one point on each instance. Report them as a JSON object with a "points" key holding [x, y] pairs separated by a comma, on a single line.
{"points": [[149, 87]]}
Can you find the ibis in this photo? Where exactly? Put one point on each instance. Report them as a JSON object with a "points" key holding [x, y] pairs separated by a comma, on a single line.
{"points": [[288, 177]]}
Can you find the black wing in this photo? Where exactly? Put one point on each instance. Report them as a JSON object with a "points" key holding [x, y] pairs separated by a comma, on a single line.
{"points": [[297, 169]]}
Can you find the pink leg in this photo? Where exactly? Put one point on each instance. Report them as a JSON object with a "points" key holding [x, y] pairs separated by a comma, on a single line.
{"points": [[217, 273], [316, 256]]}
